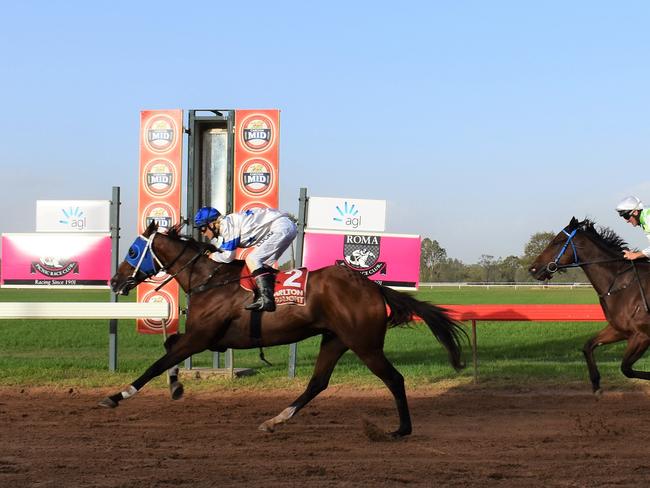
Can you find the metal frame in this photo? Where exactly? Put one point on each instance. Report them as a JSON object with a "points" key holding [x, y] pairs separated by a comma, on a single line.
{"points": [[196, 124], [303, 207], [115, 250]]}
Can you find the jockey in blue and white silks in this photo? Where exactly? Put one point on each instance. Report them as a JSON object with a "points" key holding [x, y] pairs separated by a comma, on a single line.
{"points": [[268, 231]]}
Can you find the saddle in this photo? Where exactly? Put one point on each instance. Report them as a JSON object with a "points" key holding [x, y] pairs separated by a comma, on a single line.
{"points": [[290, 289], [290, 286]]}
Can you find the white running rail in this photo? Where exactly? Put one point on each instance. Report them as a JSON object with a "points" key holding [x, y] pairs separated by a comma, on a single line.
{"points": [[84, 310]]}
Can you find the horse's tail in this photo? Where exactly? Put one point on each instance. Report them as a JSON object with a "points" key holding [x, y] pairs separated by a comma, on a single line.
{"points": [[448, 332]]}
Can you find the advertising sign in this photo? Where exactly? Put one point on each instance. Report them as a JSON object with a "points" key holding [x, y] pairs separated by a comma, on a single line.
{"points": [[257, 155], [389, 259], [73, 216], [56, 260], [159, 198], [257, 161], [347, 214]]}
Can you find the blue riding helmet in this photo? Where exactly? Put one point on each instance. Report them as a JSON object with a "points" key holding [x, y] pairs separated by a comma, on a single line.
{"points": [[205, 215]]}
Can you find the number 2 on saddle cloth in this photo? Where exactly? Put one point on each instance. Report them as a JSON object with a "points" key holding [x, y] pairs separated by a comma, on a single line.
{"points": [[290, 286]]}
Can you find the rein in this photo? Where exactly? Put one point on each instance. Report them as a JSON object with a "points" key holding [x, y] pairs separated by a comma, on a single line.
{"points": [[206, 285], [645, 300], [190, 262], [143, 258], [557, 267]]}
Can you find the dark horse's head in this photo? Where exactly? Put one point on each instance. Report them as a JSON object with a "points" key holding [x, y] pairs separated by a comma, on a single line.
{"points": [[139, 264], [154, 252], [562, 251]]}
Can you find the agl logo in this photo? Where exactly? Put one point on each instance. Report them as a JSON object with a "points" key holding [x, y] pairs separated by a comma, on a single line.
{"points": [[348, 215], [73, 218]]}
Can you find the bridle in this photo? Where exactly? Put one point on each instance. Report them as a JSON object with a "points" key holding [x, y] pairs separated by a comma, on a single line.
{"points": [[552, 267], [144, 260]]}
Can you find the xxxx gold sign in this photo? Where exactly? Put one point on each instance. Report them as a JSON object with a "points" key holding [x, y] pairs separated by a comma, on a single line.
{"points": [[257, 133], [159, 177], [256, 159], [159, 194], [161, 133]]}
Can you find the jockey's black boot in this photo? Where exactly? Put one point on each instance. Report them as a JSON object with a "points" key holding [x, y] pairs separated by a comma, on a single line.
{"points": [[265, 281]]}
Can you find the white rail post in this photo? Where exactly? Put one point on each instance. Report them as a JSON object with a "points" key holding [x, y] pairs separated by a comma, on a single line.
{"points": [[115, 252]]}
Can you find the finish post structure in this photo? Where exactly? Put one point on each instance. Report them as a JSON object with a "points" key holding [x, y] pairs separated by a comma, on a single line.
{"points": [[115, 252], [302, 222]]}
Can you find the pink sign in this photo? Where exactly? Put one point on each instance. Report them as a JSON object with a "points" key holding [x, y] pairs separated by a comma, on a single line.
{"points": [[389, 259], [56, 260]]}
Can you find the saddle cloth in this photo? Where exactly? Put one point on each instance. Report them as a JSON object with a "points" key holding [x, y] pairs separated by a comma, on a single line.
{"points": [[290, 286]]}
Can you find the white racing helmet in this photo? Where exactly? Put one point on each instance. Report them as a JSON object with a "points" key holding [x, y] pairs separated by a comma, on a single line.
{"points": [[629, 205]]}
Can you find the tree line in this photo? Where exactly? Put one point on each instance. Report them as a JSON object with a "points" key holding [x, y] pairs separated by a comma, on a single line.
{"points": [[436, 266]]}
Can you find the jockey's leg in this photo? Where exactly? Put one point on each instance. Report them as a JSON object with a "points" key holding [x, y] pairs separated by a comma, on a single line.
{"points": [[265, 280], [263, 256]]}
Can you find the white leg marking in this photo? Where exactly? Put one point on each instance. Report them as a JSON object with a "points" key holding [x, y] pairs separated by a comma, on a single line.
{"points": [[130, 391], [286, 414]]}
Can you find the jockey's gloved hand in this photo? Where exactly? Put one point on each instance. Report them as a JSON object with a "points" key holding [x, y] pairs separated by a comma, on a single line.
{"points": [[210, 248]]}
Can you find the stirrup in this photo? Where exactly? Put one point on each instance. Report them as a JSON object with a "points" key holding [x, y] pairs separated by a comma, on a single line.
{"points": [[256, 305], [260, 305]]}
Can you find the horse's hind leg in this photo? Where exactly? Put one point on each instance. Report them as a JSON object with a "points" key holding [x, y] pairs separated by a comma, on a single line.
{"points": [[331, 350], [384, 370], [608, 335], [636, 346]]}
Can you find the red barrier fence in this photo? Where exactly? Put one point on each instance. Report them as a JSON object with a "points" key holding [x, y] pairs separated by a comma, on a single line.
{"points": [[521, 313]]}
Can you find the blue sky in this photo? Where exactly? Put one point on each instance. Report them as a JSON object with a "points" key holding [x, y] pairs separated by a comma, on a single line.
{"points": [[480, 123]]}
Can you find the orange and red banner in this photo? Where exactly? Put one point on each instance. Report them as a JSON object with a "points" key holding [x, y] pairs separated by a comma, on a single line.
{"points": [[159, 199], [257, 151], [256, 165]]}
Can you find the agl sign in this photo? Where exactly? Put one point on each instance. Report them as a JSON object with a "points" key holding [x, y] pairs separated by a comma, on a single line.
{"points": [[351, 214], [73, 216]]}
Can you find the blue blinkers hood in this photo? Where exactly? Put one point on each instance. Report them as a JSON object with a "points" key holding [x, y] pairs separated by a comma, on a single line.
{"points": [[141, 257]]}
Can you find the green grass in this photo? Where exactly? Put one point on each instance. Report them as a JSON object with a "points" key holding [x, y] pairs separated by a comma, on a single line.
{"points": [[75, 353]]}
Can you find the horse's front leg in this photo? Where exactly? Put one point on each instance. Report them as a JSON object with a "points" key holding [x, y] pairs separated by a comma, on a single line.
{"points": [[181, 349], [175, 387], [606, 336]]}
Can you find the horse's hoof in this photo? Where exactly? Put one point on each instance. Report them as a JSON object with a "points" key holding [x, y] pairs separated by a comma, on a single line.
{"points": [[108, 403], [598, 393], [176, 390], [266, 427], [398, 435]]}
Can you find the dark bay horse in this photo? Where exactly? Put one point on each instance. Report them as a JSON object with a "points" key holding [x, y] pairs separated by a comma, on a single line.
{"points": [[347, 309], [621, 285]]}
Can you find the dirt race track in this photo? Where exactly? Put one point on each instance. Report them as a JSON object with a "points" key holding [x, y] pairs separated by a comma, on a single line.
{"points": [[462, 437]]}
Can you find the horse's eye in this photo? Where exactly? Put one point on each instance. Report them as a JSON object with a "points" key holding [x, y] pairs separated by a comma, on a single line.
{"points": [[133, 252]]}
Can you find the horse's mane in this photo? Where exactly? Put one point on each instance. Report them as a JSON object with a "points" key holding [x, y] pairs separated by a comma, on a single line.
{"points": [[605, 236], [174, 233]]}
